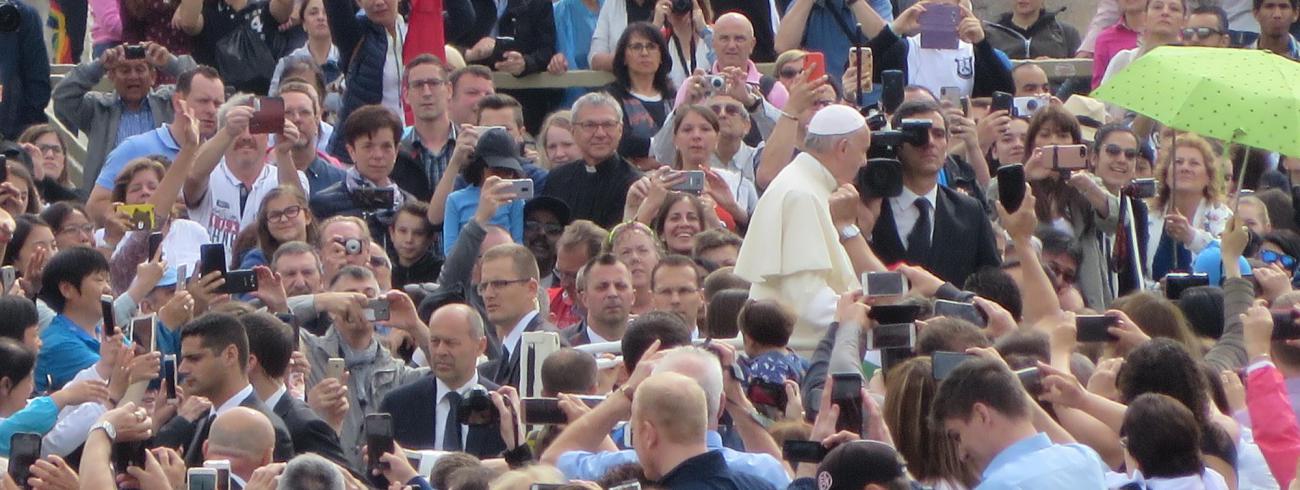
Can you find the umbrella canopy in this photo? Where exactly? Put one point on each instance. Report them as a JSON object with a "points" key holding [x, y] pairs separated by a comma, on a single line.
{"points": [[1251, 97]]}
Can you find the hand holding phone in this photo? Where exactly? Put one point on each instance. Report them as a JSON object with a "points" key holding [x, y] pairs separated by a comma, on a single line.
{"points": [[815, 64], [379, 438], [1011, 186], [268, 116], [846, 392]]}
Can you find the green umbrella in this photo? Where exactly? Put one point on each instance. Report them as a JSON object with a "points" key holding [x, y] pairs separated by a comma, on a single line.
{"points": [[1251, 97]]}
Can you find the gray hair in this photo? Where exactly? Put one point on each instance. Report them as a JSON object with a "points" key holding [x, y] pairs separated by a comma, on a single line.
{"points": [[702, 366], [296, 248], [234, 101], [354, 272], [596, 99], [823, 143], [310, 472]]}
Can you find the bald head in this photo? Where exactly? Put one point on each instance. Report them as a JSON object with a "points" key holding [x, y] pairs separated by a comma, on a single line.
{"points": [[455, 342], [733, 40], [674, 405], [244, 436]]}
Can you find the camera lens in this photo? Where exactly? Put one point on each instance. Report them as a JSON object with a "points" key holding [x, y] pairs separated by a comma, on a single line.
{"points": [[10, 19], [717, 82]]}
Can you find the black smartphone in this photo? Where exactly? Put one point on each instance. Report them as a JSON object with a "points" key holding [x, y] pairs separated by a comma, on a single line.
{"points": [[106, 309], [894, 336], [134, 52], [803, 451], [892, 83], [846, 391], [1002, 101], [240, 281], [128, 454], [168, 374], [964, 311], [1284, 326], [942, 363], [1094, 328], [155, 241], [1144, 188], [212, 258], [24, 450], [884, 284], [894, 314], [379, 438], [1029, 376], [1011, 186], [1177, 282], [543, 411], [769, 398]]}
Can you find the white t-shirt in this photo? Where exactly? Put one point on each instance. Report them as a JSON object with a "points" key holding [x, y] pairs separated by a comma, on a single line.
{"points": [[393, 70], [938, 68], [218, 209]]}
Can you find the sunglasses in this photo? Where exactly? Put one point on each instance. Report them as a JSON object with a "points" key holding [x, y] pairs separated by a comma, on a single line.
{"points": [[1270, 257], [1115, 150], [789, 72], [730, 109], [1201, 32]]}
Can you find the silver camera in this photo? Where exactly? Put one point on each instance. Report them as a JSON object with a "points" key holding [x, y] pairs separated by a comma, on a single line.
{"points": [[715, 84]]}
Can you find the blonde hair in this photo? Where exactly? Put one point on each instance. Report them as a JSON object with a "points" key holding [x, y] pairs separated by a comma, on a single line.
{"points": [[525, 478], [560, 119], [785, 58], [1214, 190]]}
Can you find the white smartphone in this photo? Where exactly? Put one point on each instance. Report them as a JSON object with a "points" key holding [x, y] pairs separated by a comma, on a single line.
{"points": [[201, 478], [222, 467]]}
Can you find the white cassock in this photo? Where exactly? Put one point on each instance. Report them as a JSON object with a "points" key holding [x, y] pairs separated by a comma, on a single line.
{"points": [[792, 251]]}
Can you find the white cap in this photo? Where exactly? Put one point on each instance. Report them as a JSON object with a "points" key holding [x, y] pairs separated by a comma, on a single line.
{"points": [[835, 120]]}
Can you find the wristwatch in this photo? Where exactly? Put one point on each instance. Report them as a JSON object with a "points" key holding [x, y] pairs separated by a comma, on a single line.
{"points": [[108, 429], [849, 232]]}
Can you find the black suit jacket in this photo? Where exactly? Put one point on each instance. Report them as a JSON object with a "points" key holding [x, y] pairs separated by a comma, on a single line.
{"points": [[962, 242], [530, 22], [506, 372], [577, 334], [414, 410], [180, 433], [310, 433]]}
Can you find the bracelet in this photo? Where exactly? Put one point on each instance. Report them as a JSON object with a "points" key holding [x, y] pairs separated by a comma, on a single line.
{"points": [[787, 115]]}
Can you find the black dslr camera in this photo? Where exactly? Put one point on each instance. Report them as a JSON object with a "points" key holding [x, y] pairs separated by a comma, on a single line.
{"points": [[880, 177], [477, 409], [373, 199], [884, 144]]}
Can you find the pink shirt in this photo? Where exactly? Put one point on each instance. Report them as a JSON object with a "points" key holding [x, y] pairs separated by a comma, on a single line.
{"points": [[776, 97], [1112, 40], [108, 23]]}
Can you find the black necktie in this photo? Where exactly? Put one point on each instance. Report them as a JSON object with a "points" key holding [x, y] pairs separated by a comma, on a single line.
{"points": [[918, 241], [451, 426]]}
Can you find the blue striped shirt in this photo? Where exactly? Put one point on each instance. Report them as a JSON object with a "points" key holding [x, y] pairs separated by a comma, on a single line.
{"points": [[134, 122]]}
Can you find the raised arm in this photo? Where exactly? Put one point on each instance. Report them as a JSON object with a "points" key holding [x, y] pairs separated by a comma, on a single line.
{"points": [[189, 16], [170, 188], [782, 143], [466, 139], [1230, 352], [789, 35], [1039, 297], [210, 154]]}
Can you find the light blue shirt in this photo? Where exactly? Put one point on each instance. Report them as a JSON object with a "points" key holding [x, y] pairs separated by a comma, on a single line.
{"points": [[1034, 462], [134, 122], [156, 142], [37, 417], [66, 349], [461, 206], [583, 465]]}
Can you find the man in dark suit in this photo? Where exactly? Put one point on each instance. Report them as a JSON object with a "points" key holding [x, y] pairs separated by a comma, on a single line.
{"points": [[271, 344], [519, 40], [426, 410], [214, 364], [508, 284], [605, 289], [930, 225]]}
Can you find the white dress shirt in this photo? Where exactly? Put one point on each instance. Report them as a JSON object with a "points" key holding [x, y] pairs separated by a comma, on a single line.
{"points": [[510, 342], [232, 402], [443, 409], [74, 421], [274, 399], [905, 212]]}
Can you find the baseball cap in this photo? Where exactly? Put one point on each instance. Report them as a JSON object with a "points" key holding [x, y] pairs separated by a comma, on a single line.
{"points": [[853, 465], [168, 278], [551, 204], [499, 150]]}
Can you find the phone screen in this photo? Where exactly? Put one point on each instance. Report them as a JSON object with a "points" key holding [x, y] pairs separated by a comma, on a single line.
{"points": [[894, 336], [1094, 328], [106, 309], [1011, 186], [202, 480], [24, 450], [155, 241], [168, 374], [213, 258], [942, 363], [885, 283], [964, 311], [815, 64], [846, 391], [803, 451], [543, 411], [379, 437]]}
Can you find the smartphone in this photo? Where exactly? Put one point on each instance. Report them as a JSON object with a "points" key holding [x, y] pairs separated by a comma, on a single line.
{"points": [[543, 411], [128, 454], [765, 394], [815, 64], [894, 314], [1011, 186], [212, 258], [106, 310], [1002, 101], [201, 478], [951, 96], [268, 116], [876, 284], [379, 438], [133, 51], [146, 324], [846, 391], [24, 450], [939, 26], [522, 188], [377, 310], [892, 83], [964, 311], [1177, 282], [182, 275], [1284, 326], [942, 363], [139, 217], [335, 367], [1029, 376], [1026, 107], [223, 472], [1067, 157], [894, 336], [155, 241], [803, 451], [965, 105], [693, 183], [240, 281], [1143, 188], [1094, 328], [168, 374], [8, 275]]}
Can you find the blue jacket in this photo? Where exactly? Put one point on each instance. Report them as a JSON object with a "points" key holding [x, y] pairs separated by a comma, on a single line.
{"points": [[363, 49], [25, 74]]}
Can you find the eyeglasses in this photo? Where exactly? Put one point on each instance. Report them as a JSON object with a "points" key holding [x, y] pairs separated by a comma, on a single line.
{"points": [[729, 109], [379, 262], [485, 285], [592, 126], [1270, 257], [643, 47], [290, 212], [1201, 32], [1115, 150], [427, 83], [55, 149], [547, 228], [86, 228]]}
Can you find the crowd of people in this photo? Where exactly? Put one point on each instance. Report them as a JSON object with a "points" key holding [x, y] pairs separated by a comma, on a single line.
{"points": [[309, 245]]}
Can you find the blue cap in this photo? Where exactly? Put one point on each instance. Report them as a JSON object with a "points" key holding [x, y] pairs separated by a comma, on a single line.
{"points": [[1210, 262], [168, 278]]}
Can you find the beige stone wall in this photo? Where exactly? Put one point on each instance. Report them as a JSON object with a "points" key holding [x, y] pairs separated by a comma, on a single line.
{"points": [[1078, 14]]}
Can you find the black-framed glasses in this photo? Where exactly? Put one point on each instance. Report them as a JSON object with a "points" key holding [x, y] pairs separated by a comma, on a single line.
{"points": [[1115, 150], [592, 126], [552, 229], [1200, 32], [427, 82], [500, 284], [290, 212]]}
